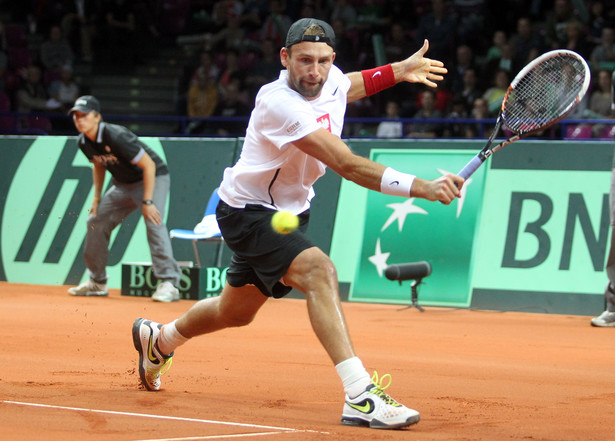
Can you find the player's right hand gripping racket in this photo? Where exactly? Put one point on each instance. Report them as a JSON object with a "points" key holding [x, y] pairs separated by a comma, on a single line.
{"points": [[541, 94]]}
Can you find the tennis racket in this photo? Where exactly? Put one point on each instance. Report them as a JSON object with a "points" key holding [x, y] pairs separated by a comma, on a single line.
{"points": [[540, 95]]}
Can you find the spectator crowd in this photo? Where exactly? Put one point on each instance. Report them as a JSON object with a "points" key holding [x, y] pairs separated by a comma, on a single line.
{"points": [[236, 50]]}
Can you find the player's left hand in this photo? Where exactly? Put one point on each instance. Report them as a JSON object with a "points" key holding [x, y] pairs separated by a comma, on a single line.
{"points": [[418, 69], [151, 213]]}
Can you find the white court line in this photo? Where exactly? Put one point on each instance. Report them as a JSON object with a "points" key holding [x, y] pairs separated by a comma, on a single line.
{"points": [[240, 435], [172, 418]]}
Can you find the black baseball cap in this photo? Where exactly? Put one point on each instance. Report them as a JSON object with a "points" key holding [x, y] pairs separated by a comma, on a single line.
{"points": [[85, 104], [296, 33]]}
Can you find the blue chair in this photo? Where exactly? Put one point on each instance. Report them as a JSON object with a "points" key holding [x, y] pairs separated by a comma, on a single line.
{"points": [[205, 231]]}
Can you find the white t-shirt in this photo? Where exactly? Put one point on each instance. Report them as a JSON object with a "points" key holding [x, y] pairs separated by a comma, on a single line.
{"points": [[270, 171]]}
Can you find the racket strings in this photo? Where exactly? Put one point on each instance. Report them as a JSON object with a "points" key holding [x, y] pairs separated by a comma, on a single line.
{"points": [[544, 94]]}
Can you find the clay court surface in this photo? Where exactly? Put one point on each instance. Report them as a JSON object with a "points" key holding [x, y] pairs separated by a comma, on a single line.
{"points": [[69, 373]]}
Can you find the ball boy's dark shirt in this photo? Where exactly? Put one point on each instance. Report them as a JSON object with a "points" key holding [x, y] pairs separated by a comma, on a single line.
{"points": [[118, 150]]}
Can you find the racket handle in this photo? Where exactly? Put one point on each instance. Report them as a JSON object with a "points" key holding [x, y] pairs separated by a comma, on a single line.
{"points": [[471, 166]]}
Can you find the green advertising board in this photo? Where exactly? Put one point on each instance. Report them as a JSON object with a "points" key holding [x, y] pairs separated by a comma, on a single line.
{"points": [[544, 229], [46, 193], [401, 230], [530, 233]]}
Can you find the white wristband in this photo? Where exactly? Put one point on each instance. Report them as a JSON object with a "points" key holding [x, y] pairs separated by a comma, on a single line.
{"points": [[396, 183]]}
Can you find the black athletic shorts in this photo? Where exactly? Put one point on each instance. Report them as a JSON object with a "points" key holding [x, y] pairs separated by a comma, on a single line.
{"points": [[260, 255]]}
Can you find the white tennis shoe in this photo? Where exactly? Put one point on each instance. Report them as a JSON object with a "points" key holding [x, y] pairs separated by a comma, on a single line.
{"points": [[89, 288], [604, 320], [166, 293], [152, 363], [375, 409]]}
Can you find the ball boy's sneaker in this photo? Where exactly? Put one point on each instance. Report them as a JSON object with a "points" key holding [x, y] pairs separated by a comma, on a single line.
{"points": [[89, 288], [375, 409], [604, 320], [152, 363], [166, 293]]}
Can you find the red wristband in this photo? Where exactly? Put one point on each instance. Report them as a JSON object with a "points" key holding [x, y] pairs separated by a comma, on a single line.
{"points": [[378, 79]]}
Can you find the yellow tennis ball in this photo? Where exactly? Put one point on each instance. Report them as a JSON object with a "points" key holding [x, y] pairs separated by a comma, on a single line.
{"points": [[284, 222]]}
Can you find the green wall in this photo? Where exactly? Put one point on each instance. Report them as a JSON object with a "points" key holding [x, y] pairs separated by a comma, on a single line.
{"points": [[531, 233]]}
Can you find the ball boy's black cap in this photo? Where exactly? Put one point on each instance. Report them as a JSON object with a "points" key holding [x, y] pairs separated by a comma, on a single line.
{"points": [[85, 104], [297, 30]]}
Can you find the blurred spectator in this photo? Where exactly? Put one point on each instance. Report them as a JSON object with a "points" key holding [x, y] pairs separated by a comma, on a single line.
{"points": [[605, 51], [190, 74], [600, 101], [79, 26], [308, 10], [556, 23], [391, 129], [345, 11], [396, 43], [346, 46], [267, 68], [232, 70], [506, 61], [202, 100], [119, 33], [526, 43], [464, 60], [469, 90], [370, 18], [47, 13], [498, 40], [597, 21], [576, 38], [480, 112], [65, 90], [276, 24], [403, 12], [223, 10], [426, 110], [206, 68], [253, 16], [232, 36], [56, 51], [231, 105], [494, 95], [471, 21], [458, 111], [147, 35], [438, 26], [3, 42], [32, 96]]}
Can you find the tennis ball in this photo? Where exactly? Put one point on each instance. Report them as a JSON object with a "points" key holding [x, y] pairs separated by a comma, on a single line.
{"points": [[284, 222]]}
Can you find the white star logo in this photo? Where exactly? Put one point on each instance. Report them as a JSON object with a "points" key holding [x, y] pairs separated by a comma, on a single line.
{"points": [[400, 211], [463, 192], [379, 259]]}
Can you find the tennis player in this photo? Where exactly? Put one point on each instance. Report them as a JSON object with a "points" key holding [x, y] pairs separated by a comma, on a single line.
{"points": [[293, 135]]}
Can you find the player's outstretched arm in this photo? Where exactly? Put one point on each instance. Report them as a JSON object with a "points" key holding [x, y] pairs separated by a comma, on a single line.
{"points": [[332, 151], [415, 69]]}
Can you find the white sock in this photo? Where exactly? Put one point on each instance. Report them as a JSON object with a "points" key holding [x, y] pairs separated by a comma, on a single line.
{"points": [[170, 338], [354, 376]]}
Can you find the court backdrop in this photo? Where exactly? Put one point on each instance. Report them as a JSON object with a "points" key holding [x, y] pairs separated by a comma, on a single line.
{"points": [[530, 233]]}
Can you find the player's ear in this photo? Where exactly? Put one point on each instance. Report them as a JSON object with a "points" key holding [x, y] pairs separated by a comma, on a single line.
{"points": [[284, 56]]}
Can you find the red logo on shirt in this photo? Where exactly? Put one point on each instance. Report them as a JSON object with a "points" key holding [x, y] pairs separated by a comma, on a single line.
{"points": [[325, 122]]}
